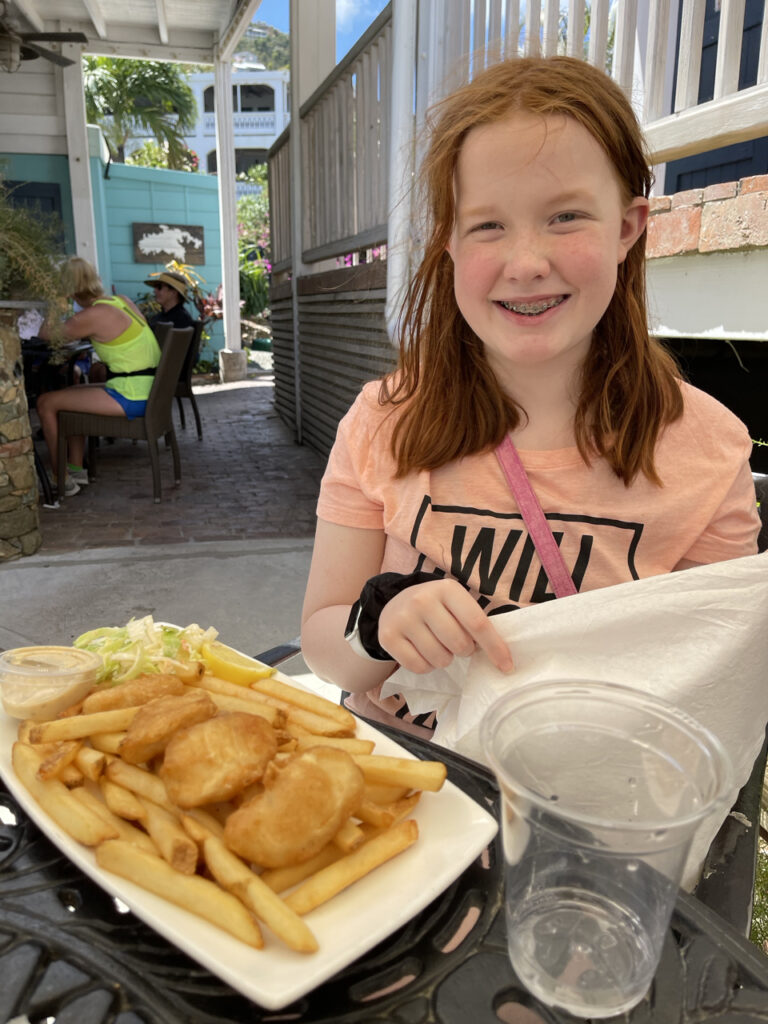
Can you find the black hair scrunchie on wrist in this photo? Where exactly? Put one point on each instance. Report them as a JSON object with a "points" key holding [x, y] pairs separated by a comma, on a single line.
{"points": [[362, 630]]}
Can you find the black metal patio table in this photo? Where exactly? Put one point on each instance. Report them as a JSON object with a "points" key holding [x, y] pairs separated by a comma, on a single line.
{"points": [[69, 954]]}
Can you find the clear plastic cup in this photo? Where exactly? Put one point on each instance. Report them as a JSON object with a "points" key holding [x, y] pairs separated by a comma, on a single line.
{"points": [[603, 788]]}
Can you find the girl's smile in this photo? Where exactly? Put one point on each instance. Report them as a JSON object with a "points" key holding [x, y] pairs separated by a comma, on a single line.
{"points": [[541, 227]]}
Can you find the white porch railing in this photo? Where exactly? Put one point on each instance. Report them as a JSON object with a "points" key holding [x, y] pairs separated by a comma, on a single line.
{"points": [[348, 199], [263, 123]]}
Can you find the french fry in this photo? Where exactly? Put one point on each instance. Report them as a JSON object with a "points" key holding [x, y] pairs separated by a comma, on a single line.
{"points": [[375, 814], [25, 728], [90, 762], [348, 743], [61, 755], [224, 702], [378, 793], [349, 837], [280, 879], [169, 837], [204, 821], [80, 726], [124, 829], [399, 810], [429, 775], [140, 782], [342, 873], [191, 892], [56, 800], [121, 801], [107, 742], [231, 873], [297, 697], [71, 776], [213, 684], [321, 725]]}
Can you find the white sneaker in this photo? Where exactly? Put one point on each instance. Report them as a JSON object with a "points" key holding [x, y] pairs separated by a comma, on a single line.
{"points": [[80, 476], [70, 487]]}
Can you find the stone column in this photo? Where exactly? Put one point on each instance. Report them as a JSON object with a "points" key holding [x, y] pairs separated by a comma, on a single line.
{"points": [[19, 518]]}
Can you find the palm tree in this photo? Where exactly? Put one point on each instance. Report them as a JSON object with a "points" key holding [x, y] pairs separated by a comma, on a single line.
{"points": [[130, 97]]}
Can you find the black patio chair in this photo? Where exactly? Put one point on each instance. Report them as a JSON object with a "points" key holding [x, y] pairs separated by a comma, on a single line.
{"points": [[156, 422], [184, 384]]}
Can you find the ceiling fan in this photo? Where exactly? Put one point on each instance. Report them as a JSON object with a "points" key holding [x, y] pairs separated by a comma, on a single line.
{"points": [[16, 46]]}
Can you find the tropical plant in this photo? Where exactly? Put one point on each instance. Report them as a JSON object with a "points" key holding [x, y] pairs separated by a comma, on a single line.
{"points": [[254, 285], [152, 154], [30, 256], [253, 237], [130, 98]]}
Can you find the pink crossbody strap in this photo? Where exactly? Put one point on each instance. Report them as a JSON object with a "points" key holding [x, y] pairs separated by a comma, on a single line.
{"points": [[534, 518]]}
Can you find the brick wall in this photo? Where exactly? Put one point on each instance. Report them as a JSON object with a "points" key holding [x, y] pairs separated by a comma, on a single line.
{"points": [[719, 218]]}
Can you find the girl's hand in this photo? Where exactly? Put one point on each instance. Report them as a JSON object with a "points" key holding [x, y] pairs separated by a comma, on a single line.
{"points": [[427, 625]]}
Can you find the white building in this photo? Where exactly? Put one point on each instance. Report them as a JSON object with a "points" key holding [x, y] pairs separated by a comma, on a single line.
{"points": [[260, 102]]}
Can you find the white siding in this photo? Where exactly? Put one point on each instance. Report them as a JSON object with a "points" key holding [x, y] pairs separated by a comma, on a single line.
{"points": [[32, 110]]}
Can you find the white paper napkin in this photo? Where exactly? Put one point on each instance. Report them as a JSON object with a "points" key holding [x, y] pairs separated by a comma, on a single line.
{"points": [[697, 638]]}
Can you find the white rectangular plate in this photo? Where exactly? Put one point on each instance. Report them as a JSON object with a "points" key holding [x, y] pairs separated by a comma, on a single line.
{"points": [[453, 831]]}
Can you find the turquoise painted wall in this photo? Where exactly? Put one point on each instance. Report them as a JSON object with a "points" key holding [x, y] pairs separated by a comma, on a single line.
{"points": [[124, 195], [48, 168]]}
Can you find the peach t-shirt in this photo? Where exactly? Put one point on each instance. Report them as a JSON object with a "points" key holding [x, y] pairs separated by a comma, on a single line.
{"points": [[463, 520]]}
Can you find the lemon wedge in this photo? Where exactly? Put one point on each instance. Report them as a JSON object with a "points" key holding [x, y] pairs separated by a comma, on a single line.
{"points": [[227, 663]]}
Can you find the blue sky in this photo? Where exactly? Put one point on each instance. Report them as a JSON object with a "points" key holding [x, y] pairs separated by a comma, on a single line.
{"points": [[352, 18]]}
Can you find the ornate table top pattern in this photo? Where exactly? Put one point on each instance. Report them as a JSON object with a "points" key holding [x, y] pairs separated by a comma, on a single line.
{"points": [[67, 950]]}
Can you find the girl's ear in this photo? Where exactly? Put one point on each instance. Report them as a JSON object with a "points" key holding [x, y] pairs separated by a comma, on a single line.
{"points": [[633, 224]]}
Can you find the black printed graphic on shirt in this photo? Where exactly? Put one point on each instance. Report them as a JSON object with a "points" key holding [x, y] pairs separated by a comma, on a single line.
{"points": [[493, 554]]}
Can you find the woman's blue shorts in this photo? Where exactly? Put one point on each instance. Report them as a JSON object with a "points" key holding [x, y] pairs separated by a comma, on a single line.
{"points": [[132, 409]]}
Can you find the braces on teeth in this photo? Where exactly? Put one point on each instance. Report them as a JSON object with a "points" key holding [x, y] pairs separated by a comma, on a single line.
{"points": [[531, 308]]}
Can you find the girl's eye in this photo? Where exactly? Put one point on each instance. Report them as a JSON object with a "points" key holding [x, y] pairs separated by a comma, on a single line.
{"points": [[488, 225], [565, 218]]}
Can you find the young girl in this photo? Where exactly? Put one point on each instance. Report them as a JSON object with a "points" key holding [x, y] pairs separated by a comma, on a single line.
{"points": [[123, 341], [527, 317]]}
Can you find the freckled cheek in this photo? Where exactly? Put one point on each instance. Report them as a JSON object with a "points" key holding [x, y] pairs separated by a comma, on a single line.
{"points": [[474, 278]]}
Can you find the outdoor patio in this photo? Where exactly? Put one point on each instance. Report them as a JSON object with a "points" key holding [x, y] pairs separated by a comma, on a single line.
{"points": [[246, 479]]}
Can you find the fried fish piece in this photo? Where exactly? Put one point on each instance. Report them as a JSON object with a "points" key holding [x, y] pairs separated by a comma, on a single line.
{"points": [[159, 719], [133, 693], [304, 804], [215, 759]]}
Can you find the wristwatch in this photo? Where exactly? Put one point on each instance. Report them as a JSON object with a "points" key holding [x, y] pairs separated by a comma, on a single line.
{"points": [[361, 633]]}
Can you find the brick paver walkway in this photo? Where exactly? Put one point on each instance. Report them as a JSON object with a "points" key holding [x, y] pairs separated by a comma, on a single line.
{"points": [[246, 479]]}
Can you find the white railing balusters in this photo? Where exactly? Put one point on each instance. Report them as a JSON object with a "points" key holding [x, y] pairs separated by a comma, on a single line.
{"points": [[532, 23], [655, 60], [598, 32], [575, 39], [729, 48], [624, 44], [511, 28], [689, 58], [550, 27], [762, 67]]}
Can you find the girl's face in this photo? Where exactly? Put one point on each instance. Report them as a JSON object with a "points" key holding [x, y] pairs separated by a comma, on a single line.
{"points": [[541, 227]]}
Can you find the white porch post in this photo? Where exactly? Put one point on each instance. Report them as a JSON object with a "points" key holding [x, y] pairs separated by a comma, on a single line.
{"points": [[233, 361], [79, 155]]}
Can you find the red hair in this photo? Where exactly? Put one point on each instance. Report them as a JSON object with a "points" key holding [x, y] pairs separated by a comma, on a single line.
{"points": [[452, 403]]}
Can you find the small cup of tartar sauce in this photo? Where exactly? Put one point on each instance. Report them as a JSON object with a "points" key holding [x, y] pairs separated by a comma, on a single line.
{"points": [[39, 682]]}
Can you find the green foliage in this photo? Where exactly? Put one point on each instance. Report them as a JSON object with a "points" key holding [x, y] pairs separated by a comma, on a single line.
{"points": [[140, 97], [254, 286], [272, 50], [759, 933], [30, 252], [152, 154], [253, 216]]}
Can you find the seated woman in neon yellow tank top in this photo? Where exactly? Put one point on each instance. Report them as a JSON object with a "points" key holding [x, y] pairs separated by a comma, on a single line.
{"points": [[124, 342]]}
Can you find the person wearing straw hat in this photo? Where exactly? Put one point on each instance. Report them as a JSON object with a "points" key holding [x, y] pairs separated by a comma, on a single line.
{"points": [[171, 290]]}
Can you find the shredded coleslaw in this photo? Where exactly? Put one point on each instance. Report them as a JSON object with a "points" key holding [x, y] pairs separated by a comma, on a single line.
{"points": [[145, 647]]}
